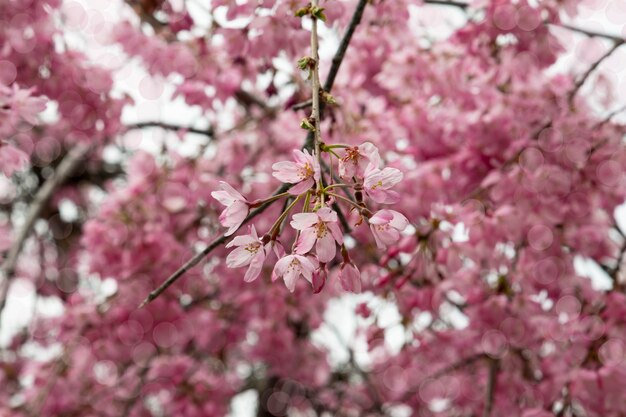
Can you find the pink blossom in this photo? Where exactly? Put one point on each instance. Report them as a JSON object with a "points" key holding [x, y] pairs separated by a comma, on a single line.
{"points": [[249, 251], [356, 160], [304, 172], [291, 267], [378, 184], [386, 226], [236, 207], [319, 229], [12, 159], [350, 277]]}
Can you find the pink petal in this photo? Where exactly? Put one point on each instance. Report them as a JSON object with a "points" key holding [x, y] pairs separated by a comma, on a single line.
{"points": [[286, 171], [306, 240], [239, 257], [290, 278], [325, 248], [336, 232], [256, 265], [381, 217], [241, 241], [302, 221], [399, 221], [379, 243], [326, 214], [281, 266], [391, 176], [301, 187]]}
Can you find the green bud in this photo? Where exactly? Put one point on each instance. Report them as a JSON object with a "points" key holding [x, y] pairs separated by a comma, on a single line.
{"points": [[318, 13], [307, 125], [327, 97], [303, 11], [306, 62]]}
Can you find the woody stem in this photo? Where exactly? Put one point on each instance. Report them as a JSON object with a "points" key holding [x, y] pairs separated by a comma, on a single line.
{"points": [[315, 91]]}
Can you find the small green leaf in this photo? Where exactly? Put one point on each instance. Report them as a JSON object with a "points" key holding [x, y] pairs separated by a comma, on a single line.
{"points": [[303, 11], [318, 12], [327, 97], [307, 125], [306, 62]]}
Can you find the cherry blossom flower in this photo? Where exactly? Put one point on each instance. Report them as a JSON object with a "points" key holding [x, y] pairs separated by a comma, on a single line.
{"points": [[319, 229], [386, 226], [357, 159], [291, 267], [236, 207], [350, 277], [249, 251], [378, 183], [304, 172]]}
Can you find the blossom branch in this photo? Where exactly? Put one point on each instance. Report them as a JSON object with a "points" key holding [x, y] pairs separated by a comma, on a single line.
{"points": [[198, 257], [65, 169], [309, 144]]}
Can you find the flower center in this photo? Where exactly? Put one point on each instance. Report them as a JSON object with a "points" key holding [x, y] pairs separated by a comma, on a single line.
{"points": [[253, 247], [295, 264], [305, 171], [378, 184], [322, 230], [382, 227]]}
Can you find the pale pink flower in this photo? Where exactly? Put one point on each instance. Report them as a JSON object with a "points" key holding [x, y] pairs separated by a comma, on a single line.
{"points": [[350, 277], [291, 267], [378, 184], [356, 160], [236, 207], [249, 251], [386, 226], [304, 172], [319, 229]]}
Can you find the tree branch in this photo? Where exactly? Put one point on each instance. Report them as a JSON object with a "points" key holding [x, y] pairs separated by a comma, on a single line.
{"points": [[588, 32], [343, 45], [591, 69], [198, 257], [492, 380], [167, 126], [65, 169]]}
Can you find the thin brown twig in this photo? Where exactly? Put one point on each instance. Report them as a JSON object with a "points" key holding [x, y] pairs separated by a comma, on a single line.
{"points": [[68, 165], [168, 126], [588, 32], [581, 81], [492, 380]]}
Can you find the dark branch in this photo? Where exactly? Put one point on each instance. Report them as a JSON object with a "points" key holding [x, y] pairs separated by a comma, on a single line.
{"points": [[492, 380], [198, 257], [167, 126], [65, 169], [588, 32], [591, 69], [343, 46]]}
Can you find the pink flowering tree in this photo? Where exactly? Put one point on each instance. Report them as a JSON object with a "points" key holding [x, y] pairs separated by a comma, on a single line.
{"points": [[447, 165]]}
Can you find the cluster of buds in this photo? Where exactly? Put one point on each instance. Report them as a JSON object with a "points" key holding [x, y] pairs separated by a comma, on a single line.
{"points": [[317, 226]]}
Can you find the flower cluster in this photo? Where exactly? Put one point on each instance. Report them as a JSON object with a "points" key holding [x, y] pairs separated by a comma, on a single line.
{"points": [[317, 228]]}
